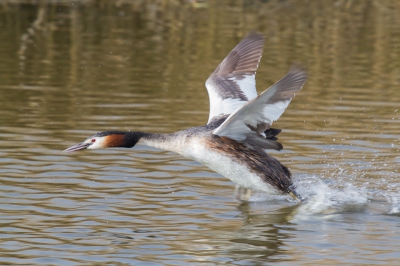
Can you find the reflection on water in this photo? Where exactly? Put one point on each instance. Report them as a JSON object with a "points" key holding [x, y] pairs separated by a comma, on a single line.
{"points": [[70, 69]]}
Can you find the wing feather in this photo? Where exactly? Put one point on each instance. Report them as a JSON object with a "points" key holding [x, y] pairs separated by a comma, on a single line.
{"points": [[248, 123], [233, 82]]}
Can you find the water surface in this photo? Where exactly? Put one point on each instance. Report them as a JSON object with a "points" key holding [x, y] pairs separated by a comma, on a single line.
{"points": [[69, 70]]}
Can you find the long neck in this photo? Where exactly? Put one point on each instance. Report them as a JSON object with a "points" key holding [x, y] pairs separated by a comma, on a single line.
{"points": [[130, 139], [169, 142]]}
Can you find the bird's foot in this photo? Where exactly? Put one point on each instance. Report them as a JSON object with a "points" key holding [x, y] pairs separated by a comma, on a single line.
{"points": [[242, 194]]}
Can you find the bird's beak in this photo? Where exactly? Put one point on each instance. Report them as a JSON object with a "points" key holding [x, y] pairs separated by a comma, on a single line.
{"points": [[78, 147]]}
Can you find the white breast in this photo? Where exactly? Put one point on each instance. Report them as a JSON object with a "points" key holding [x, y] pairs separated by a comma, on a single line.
{"points": [[226, 166]]}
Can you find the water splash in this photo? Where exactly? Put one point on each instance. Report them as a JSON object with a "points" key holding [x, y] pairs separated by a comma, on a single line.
{"points": [[328, 198], [393, 198], [339, 190]]}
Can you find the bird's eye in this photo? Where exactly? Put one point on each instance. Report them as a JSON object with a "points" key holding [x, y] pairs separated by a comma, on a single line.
{"points": [[93, 140]]}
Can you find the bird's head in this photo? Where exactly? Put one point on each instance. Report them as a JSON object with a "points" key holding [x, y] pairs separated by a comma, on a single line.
{"points": [[107, 139]]}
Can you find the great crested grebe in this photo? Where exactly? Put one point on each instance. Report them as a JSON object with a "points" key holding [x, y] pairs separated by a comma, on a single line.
{"points": [[239, 129]]}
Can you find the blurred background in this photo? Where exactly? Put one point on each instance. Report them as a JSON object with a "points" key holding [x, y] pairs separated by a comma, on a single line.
{"points": [[62, 55], [69, 69]]}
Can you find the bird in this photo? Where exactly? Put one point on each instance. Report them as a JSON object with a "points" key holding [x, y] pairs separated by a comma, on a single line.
{"points": [[238, 134]]}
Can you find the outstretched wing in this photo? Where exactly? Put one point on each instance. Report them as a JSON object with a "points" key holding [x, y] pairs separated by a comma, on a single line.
{"points": [[247, 124], [233, 82]]}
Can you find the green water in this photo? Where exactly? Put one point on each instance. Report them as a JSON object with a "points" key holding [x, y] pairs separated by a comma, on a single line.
{"points": [[71, 69]]}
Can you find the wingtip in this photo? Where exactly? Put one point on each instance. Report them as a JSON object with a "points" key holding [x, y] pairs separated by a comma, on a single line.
{"points": [[280, 146], [254, 34], [296, 67]]}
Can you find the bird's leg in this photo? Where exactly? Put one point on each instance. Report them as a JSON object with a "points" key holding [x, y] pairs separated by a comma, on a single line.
{"points": [[242, 194]]}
